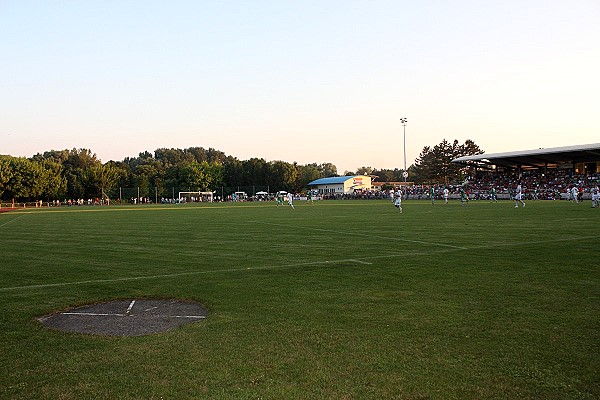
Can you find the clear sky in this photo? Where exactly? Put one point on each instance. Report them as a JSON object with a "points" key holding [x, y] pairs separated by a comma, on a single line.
{"points": [[305, 81]]}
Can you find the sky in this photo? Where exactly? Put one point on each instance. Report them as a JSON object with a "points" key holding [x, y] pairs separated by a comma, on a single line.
{"points": [[299, 81]]}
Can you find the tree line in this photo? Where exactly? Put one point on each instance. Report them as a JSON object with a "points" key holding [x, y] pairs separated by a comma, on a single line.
{"points": [[78, 173]]}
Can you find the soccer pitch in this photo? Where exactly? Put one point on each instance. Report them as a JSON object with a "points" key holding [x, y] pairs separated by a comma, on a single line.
{"points": [[332, 300]]}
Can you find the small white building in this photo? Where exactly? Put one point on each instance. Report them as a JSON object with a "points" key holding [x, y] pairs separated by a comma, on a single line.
{"points": [[341, 184]]}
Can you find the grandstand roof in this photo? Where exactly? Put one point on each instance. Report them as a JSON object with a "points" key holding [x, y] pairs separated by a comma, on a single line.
{"points": [[537, 158]]}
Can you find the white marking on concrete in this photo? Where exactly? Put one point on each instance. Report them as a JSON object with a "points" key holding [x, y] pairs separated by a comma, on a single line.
{"points": [[94, 314], [130, 307], [150, 309], [124, 315]]}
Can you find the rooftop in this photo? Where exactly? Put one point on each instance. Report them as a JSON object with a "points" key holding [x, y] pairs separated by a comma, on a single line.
{"points": [[537, 158]]}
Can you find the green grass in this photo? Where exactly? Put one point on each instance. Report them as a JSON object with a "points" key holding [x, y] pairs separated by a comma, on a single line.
{"points": [[335, 300]]}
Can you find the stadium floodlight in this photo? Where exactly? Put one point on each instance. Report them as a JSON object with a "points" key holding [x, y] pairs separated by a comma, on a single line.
{"points": [[404, 120]]}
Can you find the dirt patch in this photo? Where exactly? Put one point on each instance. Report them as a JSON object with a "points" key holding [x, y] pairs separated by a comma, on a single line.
{"points": [[126, 317]]}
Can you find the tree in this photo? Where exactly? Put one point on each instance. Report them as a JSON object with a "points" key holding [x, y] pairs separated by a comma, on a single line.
{"points": [[364, 171], [328, 169], [434, 165], [99, 177], [145, 176], [254, 172], [6, 173], [201, 176], [308, 173], [216, 172], [24, 179], [211, 155], [283, 176], [233, 171], [78, 173], [76, 166], [55, 184], [174, 156], [389, 175]]}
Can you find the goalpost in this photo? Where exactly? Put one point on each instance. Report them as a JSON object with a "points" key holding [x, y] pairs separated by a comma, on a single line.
{"points": [[105, 198], [195, 197]]}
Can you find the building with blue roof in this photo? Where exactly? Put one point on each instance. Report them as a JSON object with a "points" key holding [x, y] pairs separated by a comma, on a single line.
{"points": [[341, 184]]}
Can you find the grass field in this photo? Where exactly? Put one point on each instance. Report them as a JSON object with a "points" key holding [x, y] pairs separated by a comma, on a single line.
{"points": [[335, 300]]}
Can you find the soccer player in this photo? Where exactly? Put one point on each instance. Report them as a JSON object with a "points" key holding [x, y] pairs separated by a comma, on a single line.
{"points": [[574, 193], [446, 194], [290, 199], [463, 196], [493, 196], [279, 199], [309, 198], [595, 197], [398, 200], [519, 196], [432, 195]]}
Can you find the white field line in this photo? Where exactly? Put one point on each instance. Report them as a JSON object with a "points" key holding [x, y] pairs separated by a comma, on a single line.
{"points": [[363, 260], [491, 246], [67, 209], [12, 220], [365, 235], [534, 242], [571, 219], [177, 274]]}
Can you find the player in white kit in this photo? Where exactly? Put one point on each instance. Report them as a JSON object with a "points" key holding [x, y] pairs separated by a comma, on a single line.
{"points": [[574, 194], [595, 197], [398, 200], [519, 196]]}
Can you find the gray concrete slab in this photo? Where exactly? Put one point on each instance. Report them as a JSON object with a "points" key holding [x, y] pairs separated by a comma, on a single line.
{"points": [[126, 317]]}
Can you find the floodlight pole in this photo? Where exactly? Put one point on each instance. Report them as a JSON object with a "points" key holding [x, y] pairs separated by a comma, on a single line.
{"points": [[403, 120]]}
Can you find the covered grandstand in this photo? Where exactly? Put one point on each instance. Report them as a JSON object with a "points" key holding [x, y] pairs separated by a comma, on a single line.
{"points": [[580, 159], [546, 174]]}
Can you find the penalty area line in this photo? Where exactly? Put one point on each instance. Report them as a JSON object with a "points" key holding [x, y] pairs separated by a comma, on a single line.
{"points": [[396, 239], [326, 262]]}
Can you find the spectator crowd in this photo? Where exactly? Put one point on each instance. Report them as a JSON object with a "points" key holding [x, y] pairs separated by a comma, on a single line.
{"points": [[536, 185]]}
